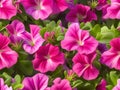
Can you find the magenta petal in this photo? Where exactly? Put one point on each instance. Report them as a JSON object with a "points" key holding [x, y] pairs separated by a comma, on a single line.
{"points": [[79, 69], [111, 59], [7, 9], [59, 6], [8, 58], [89, 46], [90, 73], [102, 85], [115, 44], [61, 84], [37, 82], [15, 28], [4, 41]]}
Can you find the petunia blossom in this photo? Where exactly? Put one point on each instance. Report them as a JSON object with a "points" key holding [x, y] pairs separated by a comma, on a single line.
{"points": [[61, 84], [37, 82], [3, 86], [47, 58], [32, 40], [111, 57], [38, 9], [8, 57], [102, 85], [80, 40], [83, 66], [7, 9], [117, 87], [59, 6], [16, 29], [113, 11], [101, 4], [80, 13]]}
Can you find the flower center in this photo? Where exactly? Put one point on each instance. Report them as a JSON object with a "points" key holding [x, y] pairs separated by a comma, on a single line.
{"points": [[80, 43], [38, 4], [1, 3], [47, 57], [80, 17]]}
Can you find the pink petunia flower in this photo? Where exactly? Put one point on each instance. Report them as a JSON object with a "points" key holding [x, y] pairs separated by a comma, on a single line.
{"points": [[8, 57], [80, 40], [102, 85], [83, 66], [38, 9], [117, 87], [48, 58], [32, 40], [111, 57], [59, 84], [7, 9], [59, 6], [81, 13], [113, 11], [101, 4], [37, 82], [4, 86], [16, 29]]}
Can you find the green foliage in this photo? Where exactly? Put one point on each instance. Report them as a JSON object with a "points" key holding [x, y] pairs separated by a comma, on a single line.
{"points": [[15, 82]]}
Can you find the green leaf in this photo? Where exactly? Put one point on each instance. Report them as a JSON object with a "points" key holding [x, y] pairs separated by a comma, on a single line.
{"points": [[109, 87], [106, 34], [24, 67], [59, 38], [17, 78], [17, 86], [76, 83], [113, 77], [95, 30]]}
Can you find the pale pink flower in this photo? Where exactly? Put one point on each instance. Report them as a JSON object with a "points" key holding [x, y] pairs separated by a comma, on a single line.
{"points": [[83, 66], [37, 82], [102, 85], [38, 9], [81, 13], [113, 11], [47, 58], [8, 57], [4, 86], [111, 57], [7, 9], [80, 40], [32, 40], [117, 87], [61, 84], [59, 6]]}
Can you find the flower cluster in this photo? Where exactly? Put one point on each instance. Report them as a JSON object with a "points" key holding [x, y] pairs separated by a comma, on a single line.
{"points": [[59, 44]]}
